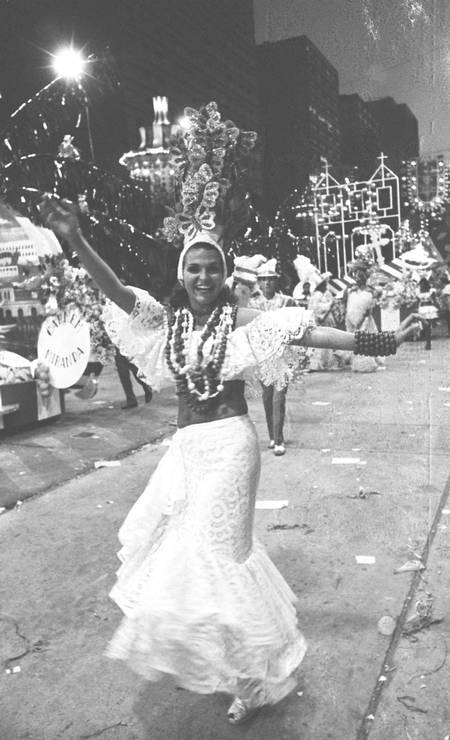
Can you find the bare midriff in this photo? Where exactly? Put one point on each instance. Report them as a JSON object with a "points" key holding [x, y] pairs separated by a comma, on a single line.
{"points": [[231, 402]]}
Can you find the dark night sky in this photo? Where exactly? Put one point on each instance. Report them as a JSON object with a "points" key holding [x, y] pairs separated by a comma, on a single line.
{"points": [[30, 30], [409, 61]]}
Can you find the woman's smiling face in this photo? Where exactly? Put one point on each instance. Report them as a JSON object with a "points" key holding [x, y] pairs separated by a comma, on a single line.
{"points": [[203, 276]]}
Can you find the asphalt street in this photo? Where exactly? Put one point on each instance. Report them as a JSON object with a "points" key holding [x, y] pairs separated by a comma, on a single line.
{"points": [[366, 477]]}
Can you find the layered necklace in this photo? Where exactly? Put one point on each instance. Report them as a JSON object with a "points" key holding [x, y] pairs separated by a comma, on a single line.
{"points": [[199, 381]]}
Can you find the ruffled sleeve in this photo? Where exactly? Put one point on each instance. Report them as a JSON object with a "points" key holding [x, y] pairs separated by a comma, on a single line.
{"points": [[277, 362], [141, 336]]}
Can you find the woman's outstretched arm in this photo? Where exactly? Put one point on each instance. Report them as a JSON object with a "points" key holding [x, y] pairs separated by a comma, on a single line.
{"points": [[325, 337], [60, 216]]}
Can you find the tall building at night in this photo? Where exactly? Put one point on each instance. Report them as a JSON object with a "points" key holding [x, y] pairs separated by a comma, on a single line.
{"points": [[360, 135], [299, 100], [399, 131]]}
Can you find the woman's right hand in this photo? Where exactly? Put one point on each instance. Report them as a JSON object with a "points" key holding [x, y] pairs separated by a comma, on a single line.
{"points": [[60, 216], [410, 327]]}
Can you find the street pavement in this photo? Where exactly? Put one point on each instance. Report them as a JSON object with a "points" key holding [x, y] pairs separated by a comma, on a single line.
{"points": [[35, 459], [366, 474]]}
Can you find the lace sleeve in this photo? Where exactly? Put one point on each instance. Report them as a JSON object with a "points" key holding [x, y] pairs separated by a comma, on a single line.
{"points": [[279, 363], [141, 336]]}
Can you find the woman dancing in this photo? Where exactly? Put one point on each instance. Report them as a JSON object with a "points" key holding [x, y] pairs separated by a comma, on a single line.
{"points": [[201, 599]]}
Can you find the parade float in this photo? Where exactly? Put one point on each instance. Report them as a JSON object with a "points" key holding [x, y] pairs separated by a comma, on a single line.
{"points": [[50, 325], [26, 392]]}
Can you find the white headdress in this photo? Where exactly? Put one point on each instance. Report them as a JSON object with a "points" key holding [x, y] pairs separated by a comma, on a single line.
{"points": [[245, 268], [201, 237], [268, 269]]}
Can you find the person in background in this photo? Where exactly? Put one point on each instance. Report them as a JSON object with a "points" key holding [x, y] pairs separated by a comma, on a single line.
{"points": [[428, 309], [274, 399], [302, 294], [243, 282], [321, 304], [124, 369], [358, 317], [445, 301]]}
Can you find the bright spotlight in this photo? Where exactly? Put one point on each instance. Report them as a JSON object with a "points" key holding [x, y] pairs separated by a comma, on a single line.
{"points": [[69, 63]]}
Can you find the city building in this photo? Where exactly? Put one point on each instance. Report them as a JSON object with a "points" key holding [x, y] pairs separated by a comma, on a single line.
{"points": [[399, 131], [360, 136], [299, 102]]}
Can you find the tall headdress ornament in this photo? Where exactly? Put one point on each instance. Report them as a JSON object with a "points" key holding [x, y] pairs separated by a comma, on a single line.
{"points": [[209, 158]]}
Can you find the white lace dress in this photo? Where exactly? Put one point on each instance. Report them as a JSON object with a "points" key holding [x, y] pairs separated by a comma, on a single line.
{"points": [[201, 599]]}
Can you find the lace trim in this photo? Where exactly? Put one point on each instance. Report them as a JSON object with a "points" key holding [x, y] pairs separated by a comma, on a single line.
{"points": [[141, 336], [269, 335]]}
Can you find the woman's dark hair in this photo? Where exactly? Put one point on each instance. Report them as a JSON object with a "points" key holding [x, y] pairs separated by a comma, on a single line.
{"points": [[424, 285]]}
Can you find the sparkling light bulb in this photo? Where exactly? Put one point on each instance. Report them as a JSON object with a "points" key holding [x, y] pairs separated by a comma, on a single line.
{"points": [[69, 63]]}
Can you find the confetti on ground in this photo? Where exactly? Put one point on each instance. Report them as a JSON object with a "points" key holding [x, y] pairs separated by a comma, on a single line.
{"points": [[446, 511], [107, 464], [365, 559], [280, 504], [326, 449], [321, 403], [347, 461], [444, 388], [386, 625]]}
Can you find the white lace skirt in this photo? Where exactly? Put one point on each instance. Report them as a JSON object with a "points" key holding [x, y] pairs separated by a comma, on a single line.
{"points": [[202, 600]]}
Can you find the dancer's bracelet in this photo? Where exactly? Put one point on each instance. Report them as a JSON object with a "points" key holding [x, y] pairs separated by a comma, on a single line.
{"points": [[375, 344]]}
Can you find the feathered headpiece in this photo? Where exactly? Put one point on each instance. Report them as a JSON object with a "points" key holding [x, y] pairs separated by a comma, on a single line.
{"points": [[209, 158]]}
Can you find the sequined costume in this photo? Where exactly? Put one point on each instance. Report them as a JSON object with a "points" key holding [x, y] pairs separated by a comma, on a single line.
{"points": [[202, 601]]}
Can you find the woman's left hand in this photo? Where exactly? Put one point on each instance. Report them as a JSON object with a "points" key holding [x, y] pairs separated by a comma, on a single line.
{"points": [[409, 327]]}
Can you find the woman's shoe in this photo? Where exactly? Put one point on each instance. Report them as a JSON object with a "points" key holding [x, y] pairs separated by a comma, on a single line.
{"points": [[130, 403], [240, 712], [271, 444], [279, 450]]}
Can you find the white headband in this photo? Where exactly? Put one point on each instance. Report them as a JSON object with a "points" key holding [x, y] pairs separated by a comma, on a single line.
{"points": [[202, 237]]}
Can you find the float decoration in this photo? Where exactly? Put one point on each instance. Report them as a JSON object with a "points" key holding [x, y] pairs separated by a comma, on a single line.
{"points": [[63, 287]]}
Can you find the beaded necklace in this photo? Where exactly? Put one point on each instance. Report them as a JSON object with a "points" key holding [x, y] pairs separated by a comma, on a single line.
{"points": [[200, 381]]}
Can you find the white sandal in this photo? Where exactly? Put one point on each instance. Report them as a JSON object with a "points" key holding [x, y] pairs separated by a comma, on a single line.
{"points": [[240, 712]]}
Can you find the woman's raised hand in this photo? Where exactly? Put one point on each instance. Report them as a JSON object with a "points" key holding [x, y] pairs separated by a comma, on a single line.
{"points": [[59, 215], [409, 327]]}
